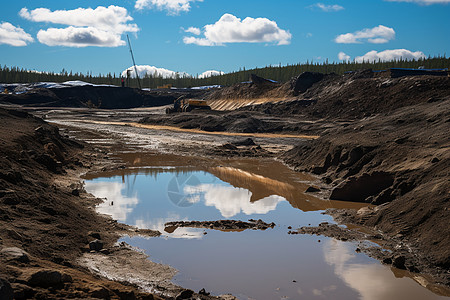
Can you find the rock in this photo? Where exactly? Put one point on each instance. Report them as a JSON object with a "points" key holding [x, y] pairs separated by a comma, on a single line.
{"points": [[96, 245], [435, 160], [94, 234], [14, 253], [229, 146], [312, 189], [101, 293], [387, 261], [46, 278], [186, 294], [399, 262], [246, 142], [203, 292], [6, 291], [76, 192]]}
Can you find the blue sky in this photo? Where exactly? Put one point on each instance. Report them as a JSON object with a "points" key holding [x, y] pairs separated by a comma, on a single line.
{"points": [[49, 35]]}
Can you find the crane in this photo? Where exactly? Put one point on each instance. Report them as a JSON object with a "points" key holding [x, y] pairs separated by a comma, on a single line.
{"points": [[134, 63]]}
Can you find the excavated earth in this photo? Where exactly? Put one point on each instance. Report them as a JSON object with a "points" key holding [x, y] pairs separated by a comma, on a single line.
{"points": [[382, 141], [375, 140]]}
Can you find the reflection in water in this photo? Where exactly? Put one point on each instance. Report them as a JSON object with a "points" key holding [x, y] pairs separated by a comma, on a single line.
{"points": [[180, 233], [118, 203], [231, 201], [250, 264], [372, 281]]}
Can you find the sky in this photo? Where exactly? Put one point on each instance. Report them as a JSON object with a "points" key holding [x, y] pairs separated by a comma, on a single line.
{"points": [[196, 36]]}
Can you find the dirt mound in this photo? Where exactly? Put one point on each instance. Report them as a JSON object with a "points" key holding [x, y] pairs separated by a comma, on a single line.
{"points": [[358, 95], [97, 97], [45, 224], [399, 160]]}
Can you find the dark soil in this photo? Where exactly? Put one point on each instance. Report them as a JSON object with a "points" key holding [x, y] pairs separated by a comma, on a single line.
{"points": [[225, 225], [382, 141], [97, 97], [48, 220]]}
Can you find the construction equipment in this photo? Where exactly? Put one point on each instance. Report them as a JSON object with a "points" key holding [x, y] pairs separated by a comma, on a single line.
{"points": [[134, 64], [186, 105]]}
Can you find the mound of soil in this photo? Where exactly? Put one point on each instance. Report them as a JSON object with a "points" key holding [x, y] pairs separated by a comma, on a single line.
{"points": [[398, 159], [97, 97], [354, 96]]}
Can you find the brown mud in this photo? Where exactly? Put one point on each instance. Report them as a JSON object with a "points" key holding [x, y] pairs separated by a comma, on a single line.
{"points": [[381, 141], [52, 240]]}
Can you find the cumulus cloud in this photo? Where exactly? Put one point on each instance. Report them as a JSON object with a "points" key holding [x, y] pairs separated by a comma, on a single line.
{"points": [[173, 7], [193, 30], [210, 73], [101, 27], [13, 36], [230, 29], [377, 35], [343, 56], [423, 2], [327, 8], [151, 70], [79, 37], [389, 55]]}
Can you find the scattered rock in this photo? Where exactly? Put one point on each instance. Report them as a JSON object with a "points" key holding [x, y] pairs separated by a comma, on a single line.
{"points": [[186, 294], [14, 253], [95, 235], [312, 189], [101, 293], [6, 291], [221, 224], [46, 278], [246, 142], [203, 292], [399, 262], [96, 245]]}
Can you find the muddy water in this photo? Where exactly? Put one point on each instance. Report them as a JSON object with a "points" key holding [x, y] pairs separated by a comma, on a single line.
{"points": [[250, 264]]}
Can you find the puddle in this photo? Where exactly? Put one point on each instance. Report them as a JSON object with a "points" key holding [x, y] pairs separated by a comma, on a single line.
{"points": [[250, 264]]}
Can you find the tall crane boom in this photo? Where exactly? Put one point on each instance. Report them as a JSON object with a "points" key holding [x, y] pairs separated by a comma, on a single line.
{"points": [[134, 63]]}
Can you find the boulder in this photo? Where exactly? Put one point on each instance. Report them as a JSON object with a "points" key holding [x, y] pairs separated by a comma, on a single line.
{"points": [[96, 245], [186, 294], [14, 253], [45, 279]]}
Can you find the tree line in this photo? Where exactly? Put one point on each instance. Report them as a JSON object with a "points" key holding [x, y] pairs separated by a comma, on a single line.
{"points": [[278, 73]]}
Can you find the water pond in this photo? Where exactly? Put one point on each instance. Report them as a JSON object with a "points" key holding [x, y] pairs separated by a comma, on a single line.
{"points": [[250, 264]]}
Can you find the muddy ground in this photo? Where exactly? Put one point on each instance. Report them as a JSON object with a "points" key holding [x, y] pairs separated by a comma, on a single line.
{"points": [[382, 141], [376, 140]]}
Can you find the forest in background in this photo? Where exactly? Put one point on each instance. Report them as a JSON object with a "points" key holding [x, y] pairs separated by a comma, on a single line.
{"points": [[277, 73]]}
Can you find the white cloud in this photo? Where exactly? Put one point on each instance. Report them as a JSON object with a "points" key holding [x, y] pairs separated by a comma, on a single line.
{"points": [[389, 55], [193, 30], [101, 27], [424, 2], [231, 201], [343, 56], [230, 29], [79, 37], [116, 203], [173, 7], [210, 73], [151, 70], [13, 36], [327, 8], [377, 35]]}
